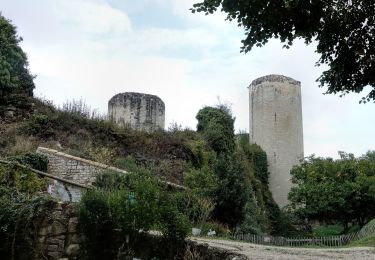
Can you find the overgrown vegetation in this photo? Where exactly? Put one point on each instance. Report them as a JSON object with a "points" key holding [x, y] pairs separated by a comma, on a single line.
{"points": [[335, 191], [114, 218], [23, 205], [15, 78]]}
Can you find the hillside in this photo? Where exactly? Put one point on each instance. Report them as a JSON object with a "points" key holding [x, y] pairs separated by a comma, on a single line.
{"points": [[172, 154]]}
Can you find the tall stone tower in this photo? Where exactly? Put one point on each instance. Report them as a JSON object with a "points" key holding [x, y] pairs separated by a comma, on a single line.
{"points": [[276, 125], [137, 110]]}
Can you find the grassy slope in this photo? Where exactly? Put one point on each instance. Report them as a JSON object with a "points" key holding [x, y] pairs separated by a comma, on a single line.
{"points": [[170, 154]]}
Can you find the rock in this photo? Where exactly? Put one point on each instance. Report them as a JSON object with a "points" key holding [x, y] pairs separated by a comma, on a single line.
{"points": [[42, 231], [76, 239], [54, 255], [72, 250], [73, 225], [52, 248], [58, 228]]}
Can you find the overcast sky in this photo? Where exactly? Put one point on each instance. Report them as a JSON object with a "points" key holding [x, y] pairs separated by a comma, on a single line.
{"points": [[94, 49]]}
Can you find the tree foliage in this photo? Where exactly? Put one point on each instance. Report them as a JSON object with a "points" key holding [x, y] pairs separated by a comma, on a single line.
{"points": [[232, 192], [14, 74], [330, 190], [343, 29], [217, 127]]}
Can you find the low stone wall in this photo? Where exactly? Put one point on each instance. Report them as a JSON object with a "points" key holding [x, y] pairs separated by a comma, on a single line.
{"points": [[59, 239], [57, 236], [75, 169]]}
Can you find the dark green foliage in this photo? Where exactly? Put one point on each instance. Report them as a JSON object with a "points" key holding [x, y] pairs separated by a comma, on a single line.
{"points": [[343, 29], [202, 181], [216, 125], [113, 215], [329, 230], [232, 192], [256, 156], [14, 75], [335, 190], [39, 125], [97, 225], [22, 208], [174, 224], [33, 160]]}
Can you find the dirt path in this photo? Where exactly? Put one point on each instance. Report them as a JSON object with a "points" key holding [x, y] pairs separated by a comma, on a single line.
{"points": [[253, 251]]}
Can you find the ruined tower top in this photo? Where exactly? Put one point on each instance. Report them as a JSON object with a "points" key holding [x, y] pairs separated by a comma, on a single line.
{"points": [[137, 110]]}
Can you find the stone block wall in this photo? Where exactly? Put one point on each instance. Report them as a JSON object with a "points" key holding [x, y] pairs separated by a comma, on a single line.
{"points": [[58, 237], [71, 168]]}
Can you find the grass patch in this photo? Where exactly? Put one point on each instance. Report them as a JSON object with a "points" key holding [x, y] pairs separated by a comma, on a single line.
{"points": [[366, 241]]}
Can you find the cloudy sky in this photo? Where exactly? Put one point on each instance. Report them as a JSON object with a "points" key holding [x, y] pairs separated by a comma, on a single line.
{"points": [[94, 49]]}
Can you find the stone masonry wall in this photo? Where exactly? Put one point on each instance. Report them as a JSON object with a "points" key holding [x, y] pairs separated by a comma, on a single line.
{"points": [[58, 237], [75, 169]]}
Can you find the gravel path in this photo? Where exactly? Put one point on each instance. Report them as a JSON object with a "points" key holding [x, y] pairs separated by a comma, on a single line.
{"points": [[253, 251]]}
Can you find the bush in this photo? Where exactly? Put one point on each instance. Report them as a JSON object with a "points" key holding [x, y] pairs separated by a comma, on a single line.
{"points": [[34, 160], [122, 207], [329, 230], [220, 229], [97, 224], [39, 125], [21, 180], [23, 206]]}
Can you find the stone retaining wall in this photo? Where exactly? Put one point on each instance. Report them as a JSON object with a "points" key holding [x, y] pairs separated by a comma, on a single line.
{"points": [[57, 236], [75, 169]]}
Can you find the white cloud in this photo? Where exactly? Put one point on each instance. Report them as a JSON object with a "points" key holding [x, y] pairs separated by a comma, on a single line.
{"points": [[92, 16], [90, 49]]}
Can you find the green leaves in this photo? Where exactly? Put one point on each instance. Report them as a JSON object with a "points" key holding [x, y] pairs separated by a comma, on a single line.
{"points": [[14, 74], [343, 29], [335, 190]]}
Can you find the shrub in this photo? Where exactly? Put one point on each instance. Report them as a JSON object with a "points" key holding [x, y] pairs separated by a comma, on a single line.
{"points": [[97, 224], [38, 125], [34, 160], [122, 207], [22, 207]]}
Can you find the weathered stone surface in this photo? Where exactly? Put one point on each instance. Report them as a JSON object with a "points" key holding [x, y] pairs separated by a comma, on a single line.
{"points": [[137, 110], [52, 248], [58, 228], [71, 168], [76, 239], [54, 239], [73, 225], [276, 125], [72, 250]]}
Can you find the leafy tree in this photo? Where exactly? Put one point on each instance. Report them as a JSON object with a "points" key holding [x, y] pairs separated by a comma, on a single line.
{"points": [[14, 74], [233, 190], [335, 190], [344, 30], [217, 128]]}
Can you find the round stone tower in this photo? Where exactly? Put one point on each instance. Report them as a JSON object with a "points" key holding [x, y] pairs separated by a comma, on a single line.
{"points": [[137, 110], [276, 126]]}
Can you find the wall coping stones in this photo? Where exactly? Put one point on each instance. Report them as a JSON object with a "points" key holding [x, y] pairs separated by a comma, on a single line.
{"points": [[97, 164]]}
